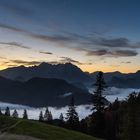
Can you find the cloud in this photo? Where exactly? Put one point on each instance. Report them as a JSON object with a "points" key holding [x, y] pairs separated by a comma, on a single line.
{"points": [[15, 44], [23, 62], [44, 52], [124, 53], [66, 39], [106, 47], [117, 43], [127, 62], [97, 53], [55, 38], [114, 53], [69, 60], [12, 28]]}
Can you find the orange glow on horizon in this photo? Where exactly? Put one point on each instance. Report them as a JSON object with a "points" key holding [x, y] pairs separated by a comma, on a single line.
{"points": [[92, 68]]}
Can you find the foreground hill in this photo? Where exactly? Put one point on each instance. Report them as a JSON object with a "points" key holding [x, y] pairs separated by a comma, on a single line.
{"points": [[68, 72], [40, 92], [38, 130]]}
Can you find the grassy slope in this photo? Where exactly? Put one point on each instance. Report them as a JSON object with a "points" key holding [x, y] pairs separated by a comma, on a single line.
{"points": [[40, 130]]}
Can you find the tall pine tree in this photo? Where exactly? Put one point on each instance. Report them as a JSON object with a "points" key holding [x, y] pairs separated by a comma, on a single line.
{"points": [[0, 112], [7, 111], [97, 98], [15, 114], [61, 117], [41, 118], [72, 116], [48, 116], [97, 120], [25, 115]]}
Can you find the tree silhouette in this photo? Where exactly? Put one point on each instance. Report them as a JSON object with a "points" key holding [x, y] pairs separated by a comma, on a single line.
{"points": [[1, 112], [25, 115], [130, 115], [61, 117], [41, 116], [15, 114], [72, 116], [48, 115], [97, 98], [97, 119], [7, 111]]}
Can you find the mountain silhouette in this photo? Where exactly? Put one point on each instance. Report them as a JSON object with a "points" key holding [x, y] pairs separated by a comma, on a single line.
{"points": [[40, 92], [120, 80], [67, 71], [71, 74]]}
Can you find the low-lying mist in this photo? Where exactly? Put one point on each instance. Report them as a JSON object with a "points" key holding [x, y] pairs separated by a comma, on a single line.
{"points": [[83, 110]]}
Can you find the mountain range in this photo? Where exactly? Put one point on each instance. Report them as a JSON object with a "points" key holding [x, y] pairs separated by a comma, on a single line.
{"points": [[68, 72], [72, 74], [40, 92], [120, 80]]}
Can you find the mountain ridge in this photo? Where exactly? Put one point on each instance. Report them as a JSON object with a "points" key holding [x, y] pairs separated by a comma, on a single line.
{"points": [[40, 92], [72, 74], [67, 71]]}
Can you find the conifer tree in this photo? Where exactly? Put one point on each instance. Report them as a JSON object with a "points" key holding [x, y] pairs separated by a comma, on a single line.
{"points": [[0, 112], [61, 120], [15, 114], [48, 115], [72, 116], [7, 111], [130, 125], [25, 115], [97, 97], [41, 116], [97, 120], [61, 117]]}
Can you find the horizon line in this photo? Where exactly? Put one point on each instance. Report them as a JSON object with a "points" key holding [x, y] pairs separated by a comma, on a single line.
{"points": [[90, 72]]}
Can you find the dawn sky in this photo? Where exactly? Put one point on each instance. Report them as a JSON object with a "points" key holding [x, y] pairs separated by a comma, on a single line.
{"points": [[92, 34]]}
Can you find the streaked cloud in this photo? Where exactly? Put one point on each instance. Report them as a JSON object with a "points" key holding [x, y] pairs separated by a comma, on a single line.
{"points": [[23, 62], [9, 27], [15, 44], [117, 43], [44, 52], [69, 60], [124, 53], [87, 44], [97, 52], [127, 62], [115, 53]]}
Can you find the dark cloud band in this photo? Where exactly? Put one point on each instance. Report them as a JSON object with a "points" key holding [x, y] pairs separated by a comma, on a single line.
{"points": [[15, 44], [88, 44], [117, 53]]}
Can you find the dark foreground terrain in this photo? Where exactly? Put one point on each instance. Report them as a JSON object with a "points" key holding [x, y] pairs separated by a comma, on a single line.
{"points": [[19, 129]]}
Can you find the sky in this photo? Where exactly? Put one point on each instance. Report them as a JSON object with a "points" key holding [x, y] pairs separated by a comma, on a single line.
{"points": [[92, 34]]}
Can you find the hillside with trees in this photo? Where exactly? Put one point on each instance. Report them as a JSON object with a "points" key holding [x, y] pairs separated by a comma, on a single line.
{"points": [[119, 120]]}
